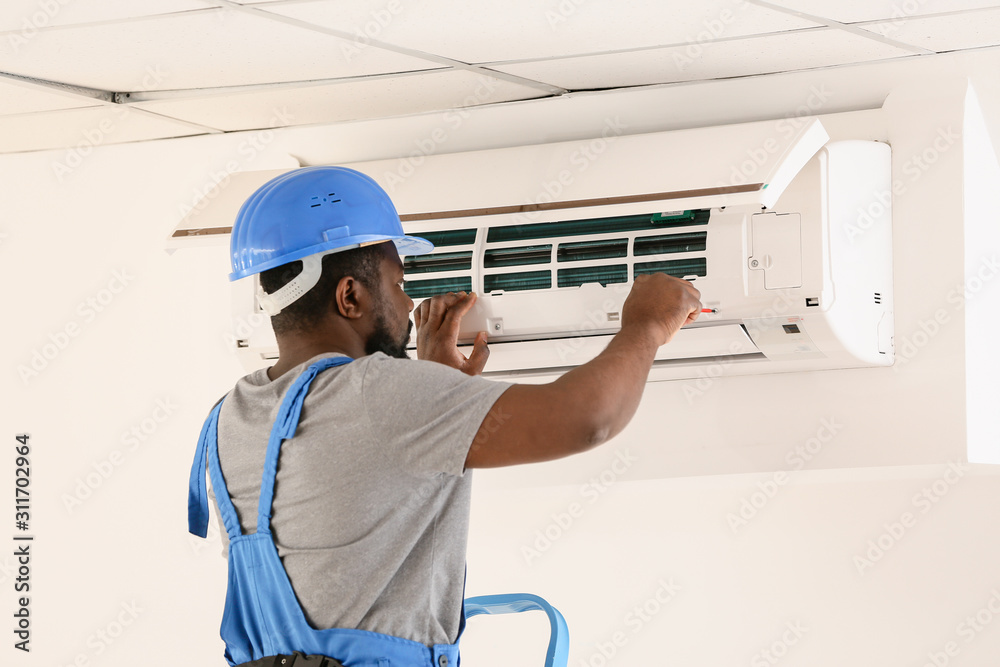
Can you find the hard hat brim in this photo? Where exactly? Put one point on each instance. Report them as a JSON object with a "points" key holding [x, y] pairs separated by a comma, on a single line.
{"points": [[405, 245]]}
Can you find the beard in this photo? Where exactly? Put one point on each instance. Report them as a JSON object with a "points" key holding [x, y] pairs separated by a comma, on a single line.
{"points": [[382, 339]]}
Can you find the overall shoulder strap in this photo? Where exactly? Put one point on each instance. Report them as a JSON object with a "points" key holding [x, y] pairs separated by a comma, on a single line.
{"points": [[284, 427], [197, 490]]}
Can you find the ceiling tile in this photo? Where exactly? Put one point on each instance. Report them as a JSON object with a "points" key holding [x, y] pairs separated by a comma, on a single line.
{"points": [[24, 17], [23, 97], [476, 31], [949, 32], [350, 100], [85, 128], [272, 2], [194, 50], [740, 57], [851, 11]]}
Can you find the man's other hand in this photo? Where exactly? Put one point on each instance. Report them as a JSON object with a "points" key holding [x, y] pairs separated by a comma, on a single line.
{"points": [[437, 320]]}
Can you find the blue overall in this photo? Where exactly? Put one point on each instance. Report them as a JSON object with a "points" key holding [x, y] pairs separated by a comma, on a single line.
{"points": [[262, 616]]}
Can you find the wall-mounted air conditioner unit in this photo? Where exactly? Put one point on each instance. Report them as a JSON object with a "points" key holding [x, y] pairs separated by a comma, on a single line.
{"points": [[786, 235]]}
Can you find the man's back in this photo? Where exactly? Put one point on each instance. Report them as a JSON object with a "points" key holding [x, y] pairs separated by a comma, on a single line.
{"points": [[371, 507]]}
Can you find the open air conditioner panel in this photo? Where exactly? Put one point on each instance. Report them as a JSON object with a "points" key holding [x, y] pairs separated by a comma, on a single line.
{"points": [[754, 218]]}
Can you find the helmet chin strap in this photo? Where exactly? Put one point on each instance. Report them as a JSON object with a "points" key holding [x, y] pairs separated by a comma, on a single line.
{"points": [[312, 269]]}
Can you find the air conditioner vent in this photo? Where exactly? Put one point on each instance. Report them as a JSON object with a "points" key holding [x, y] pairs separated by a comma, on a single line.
{"points": [[532, 254], [451, 237], [625, 223], [589, 260], [677, 267], [445, 261], [588, 250], [614, 273], [670, 243], [515, 282], [421, 289]]}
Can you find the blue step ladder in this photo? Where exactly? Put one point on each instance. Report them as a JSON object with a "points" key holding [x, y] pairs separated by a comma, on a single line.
{"points": [[557, 653]]}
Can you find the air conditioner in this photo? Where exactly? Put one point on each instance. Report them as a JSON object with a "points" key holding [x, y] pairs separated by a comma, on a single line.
{"points": [[786, 234]]}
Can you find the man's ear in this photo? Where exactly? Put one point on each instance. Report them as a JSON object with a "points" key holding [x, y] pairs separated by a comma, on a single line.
{"points": [[352, 299]]}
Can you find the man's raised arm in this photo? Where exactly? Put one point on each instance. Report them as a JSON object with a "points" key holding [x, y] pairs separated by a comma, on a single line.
{"points": [[589, 404]]}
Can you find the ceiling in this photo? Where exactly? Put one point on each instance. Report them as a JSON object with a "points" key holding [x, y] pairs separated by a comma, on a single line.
{"points": [[88, 72]]}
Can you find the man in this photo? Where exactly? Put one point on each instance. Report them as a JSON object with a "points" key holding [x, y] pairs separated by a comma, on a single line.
{"points": [[358, 548]]}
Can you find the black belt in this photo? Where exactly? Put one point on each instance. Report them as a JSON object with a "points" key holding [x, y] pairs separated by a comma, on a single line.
{"points": [[296, 659]]}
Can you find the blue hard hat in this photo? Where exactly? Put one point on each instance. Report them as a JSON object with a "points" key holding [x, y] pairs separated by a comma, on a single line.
{"points": [[314, 210]]}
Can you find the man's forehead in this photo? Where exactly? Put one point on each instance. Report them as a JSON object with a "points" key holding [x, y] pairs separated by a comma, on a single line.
{"points": [[390, 254]]}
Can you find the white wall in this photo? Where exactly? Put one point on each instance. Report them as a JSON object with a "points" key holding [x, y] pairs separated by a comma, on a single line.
{"points": [[161, 338]]}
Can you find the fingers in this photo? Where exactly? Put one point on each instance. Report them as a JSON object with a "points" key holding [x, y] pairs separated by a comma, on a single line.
{"points": [[420, 314], [444, 311], [480, 353], [457, 310], [438, 306]]}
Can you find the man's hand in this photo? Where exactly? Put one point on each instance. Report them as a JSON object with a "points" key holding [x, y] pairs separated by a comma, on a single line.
{"points": [[437, 320], [662, 304]]}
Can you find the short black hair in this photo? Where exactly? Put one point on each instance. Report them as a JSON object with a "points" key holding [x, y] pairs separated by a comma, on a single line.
{"points": [[305, 313]]}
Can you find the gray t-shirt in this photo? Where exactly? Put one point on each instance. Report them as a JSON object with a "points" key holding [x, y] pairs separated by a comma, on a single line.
{"points": [[371, 500]]}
